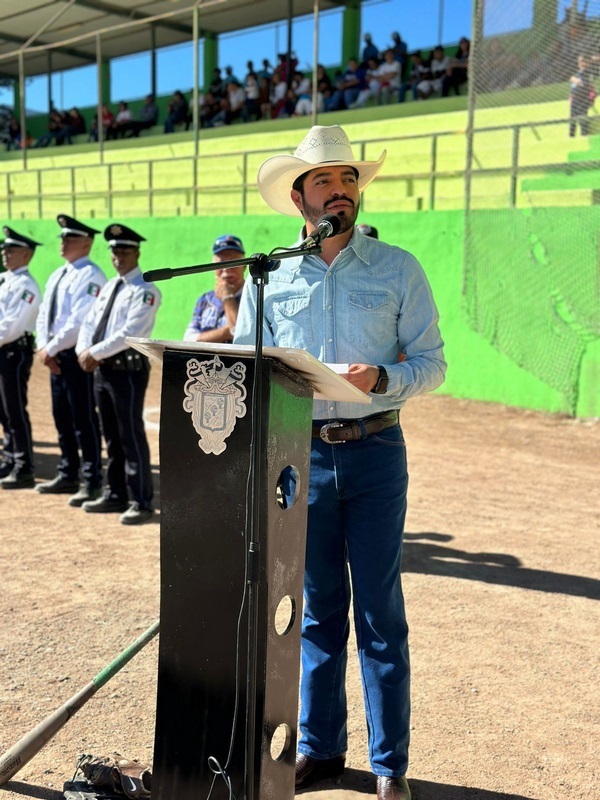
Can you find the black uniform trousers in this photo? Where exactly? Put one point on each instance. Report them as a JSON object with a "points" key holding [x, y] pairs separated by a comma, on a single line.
{"points": [[15, 369], [76, 421], [120, 399]]}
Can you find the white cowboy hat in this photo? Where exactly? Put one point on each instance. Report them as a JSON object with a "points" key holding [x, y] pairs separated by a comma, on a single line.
{"points": [[321, 145]]}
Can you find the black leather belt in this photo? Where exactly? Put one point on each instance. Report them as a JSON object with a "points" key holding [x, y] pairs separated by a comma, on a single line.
{"points": [[352, 430]]}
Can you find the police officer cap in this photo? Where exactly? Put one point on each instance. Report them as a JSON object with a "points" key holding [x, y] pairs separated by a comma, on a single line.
{"points": [[118, 235], [228, 242], [14, 239], [368, 230], [72, 227]]}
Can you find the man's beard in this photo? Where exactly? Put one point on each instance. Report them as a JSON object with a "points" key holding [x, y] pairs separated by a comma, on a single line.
{"points": [[347, 217]]}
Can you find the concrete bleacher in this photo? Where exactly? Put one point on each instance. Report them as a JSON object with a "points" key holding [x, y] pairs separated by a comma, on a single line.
{"points": [[55, 176]]}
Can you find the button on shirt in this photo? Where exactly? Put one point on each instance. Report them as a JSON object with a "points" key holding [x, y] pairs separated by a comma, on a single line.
{"points": [[372, 304], [20, 299], [209, 314], [77, 287], [133, 314]]}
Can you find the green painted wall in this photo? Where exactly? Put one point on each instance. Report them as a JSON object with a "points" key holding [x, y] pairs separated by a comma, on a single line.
{"points": [[475, 368]]}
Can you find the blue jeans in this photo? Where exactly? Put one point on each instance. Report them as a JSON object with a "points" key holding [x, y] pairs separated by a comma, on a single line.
{"points": [[357, 506]]}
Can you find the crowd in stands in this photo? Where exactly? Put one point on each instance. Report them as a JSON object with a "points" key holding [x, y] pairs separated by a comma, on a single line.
{"points": [[271, 92]]}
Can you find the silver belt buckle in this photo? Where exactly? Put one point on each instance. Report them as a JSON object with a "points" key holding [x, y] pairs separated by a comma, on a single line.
{"points": [[324, 433]]}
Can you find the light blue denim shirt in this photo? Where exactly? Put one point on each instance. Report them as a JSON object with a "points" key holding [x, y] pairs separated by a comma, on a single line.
{"points": [[371, 305]]}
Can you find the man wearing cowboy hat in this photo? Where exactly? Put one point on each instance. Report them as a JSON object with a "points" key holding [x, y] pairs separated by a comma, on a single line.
{"points": [[366, 304]]}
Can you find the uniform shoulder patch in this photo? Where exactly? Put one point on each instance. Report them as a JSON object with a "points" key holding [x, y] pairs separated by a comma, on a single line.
{"points": [[28, 296], [93, 289], [148, 298]]}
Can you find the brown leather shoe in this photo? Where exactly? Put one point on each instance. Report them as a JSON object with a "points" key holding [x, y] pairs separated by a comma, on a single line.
{"points": [[310, 770], [392, 788]]}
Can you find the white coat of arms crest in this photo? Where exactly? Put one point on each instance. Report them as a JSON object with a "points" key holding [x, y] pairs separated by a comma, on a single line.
{"points": [[214, 396]]}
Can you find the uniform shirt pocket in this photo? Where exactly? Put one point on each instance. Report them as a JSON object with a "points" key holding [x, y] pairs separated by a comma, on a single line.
{"points": [[292, 322]]}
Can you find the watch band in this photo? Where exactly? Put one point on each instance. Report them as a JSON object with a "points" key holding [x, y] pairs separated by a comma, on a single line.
{"points": [[382, 382]]}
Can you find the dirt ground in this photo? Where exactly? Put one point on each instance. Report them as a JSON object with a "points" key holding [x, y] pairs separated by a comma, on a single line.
{"points": [[502, 580]]}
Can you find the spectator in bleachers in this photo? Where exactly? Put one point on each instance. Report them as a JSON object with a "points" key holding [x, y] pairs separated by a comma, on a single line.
{"points": [[400, 49], [581, 95], [231, 106], [177, 112], [56, 122], [369, 51], [437, 70], [284, 69], [457, 73], [230, 77], [121, 122], [74, 125], [209, 108], [13, 134], [266, 71], [324, 85], [300, 90], [107, 120], [418, 73], [389, 77], [217, 86], [251, 107], [351, 85], [373, 85], [148, 117], [277, 98]]}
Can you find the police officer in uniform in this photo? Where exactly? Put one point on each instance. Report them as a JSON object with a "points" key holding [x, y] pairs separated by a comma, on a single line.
{"points": [[127, 306], [20, 299], [70, 293]]}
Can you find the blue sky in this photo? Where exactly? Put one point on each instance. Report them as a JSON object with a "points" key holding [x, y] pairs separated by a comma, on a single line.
{"points": [[420, 24]]}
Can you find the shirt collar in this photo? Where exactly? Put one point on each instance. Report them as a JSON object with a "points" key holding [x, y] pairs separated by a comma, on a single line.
{"points": [[10, 272], [358, 243], [131, 277], [79, 263]]}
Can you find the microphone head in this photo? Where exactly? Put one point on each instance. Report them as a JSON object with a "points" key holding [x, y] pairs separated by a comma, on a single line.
{"points": [[334, 221]]}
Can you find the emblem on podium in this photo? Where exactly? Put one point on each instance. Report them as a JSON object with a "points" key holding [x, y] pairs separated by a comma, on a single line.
{"points": [[214, 396]]}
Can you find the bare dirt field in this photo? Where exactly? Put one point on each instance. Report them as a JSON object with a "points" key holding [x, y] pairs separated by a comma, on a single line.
{"points": [[501, 576]]}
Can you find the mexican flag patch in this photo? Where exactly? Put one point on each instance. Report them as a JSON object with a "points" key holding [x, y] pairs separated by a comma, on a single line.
{"points": [[93, 289], [148, 298], [28, 297]]}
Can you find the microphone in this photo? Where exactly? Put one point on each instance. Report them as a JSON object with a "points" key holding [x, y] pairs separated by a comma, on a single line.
{"points": [[158, 274], [328, 225]]}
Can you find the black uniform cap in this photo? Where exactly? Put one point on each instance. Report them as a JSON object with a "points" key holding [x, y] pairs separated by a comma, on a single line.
{"points": [[118, 235], [72, 227], [368, 230], [14, 239]]}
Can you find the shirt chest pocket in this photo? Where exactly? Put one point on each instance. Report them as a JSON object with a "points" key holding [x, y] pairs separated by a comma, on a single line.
{"points": [[368, 321], [368, 301], [292, 322]]}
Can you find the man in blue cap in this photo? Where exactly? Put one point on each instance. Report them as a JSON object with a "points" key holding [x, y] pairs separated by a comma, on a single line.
{"points": [[71, 291], [216, 311], [19, 301]]}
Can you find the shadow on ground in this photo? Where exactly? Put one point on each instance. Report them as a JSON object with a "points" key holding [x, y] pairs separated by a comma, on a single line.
{"points": [[360, 781], [424, 554]]}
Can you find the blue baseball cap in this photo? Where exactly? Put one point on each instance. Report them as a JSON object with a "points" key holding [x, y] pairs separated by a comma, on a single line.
{"points": [[228, 242]]}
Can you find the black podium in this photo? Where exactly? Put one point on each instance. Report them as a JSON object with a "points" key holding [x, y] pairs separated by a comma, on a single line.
{"points": [[206, 439]]}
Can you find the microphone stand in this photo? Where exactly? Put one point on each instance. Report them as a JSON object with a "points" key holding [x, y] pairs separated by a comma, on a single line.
{"points": [[260, 265]]}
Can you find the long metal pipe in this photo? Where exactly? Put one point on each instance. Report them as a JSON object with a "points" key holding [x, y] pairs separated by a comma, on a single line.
{"points": [[315, 60]]}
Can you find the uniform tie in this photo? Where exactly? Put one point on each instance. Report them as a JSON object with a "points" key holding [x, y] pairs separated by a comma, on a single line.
{"points": [[52, 311], [101, 328]]}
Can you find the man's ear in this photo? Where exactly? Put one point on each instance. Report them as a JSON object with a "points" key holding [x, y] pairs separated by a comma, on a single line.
{"points": [[297, 200]]}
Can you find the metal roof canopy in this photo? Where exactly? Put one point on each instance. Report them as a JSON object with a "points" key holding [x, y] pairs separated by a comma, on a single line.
{"points": [[62, 34]]}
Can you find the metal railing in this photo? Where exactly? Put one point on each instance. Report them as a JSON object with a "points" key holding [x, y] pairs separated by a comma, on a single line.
{"points": [[108, 191]]}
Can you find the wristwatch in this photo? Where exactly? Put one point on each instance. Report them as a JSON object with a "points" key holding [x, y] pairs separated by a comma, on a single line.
{"points": [[382, 381]]}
